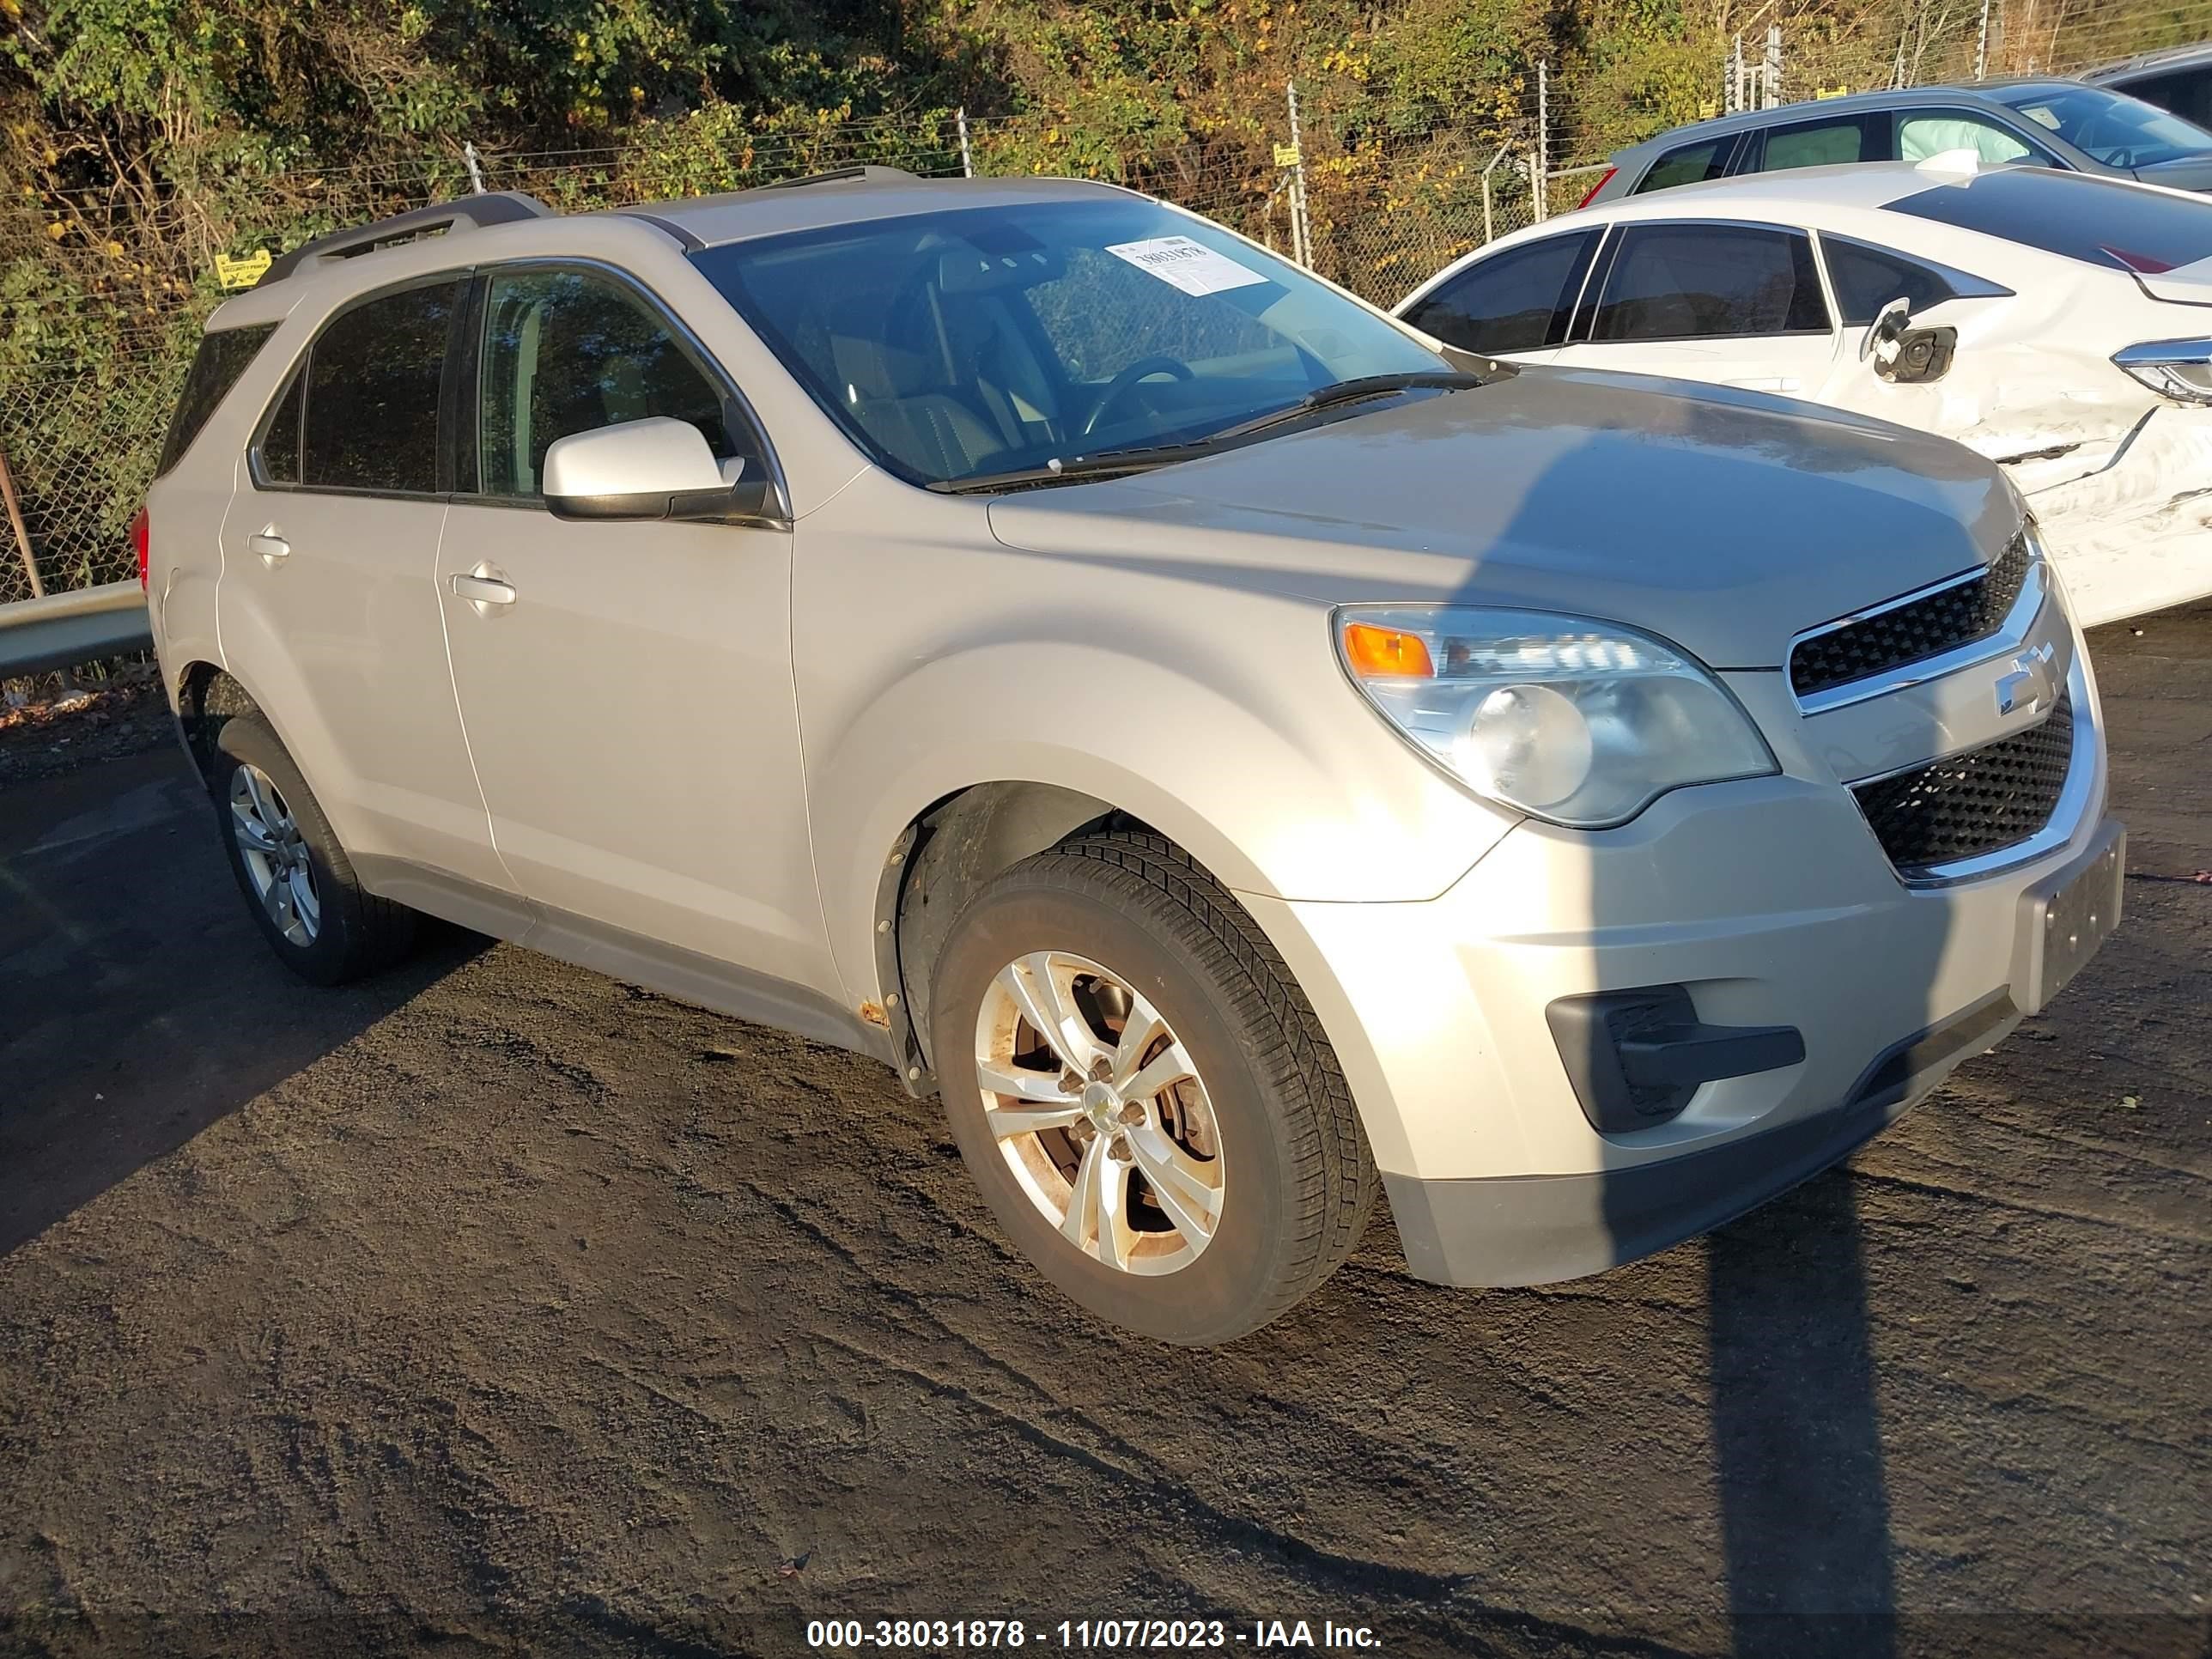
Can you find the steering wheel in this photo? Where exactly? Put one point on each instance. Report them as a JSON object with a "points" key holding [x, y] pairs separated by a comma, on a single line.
{"points": [[1119, 387]]}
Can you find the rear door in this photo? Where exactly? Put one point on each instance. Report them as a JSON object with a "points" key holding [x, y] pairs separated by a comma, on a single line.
{"points": [[629, 701], [327, 606], [1732, 304]]}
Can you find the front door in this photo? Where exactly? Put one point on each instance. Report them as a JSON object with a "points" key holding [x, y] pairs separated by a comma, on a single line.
{"points": [[627, 688]]}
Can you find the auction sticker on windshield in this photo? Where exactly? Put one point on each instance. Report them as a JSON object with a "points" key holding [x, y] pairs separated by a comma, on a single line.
{"points": [[1191, 266]]}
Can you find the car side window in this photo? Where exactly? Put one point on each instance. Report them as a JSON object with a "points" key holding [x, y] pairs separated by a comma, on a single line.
{"points": [[1866, 279], [1923, 133], [568, 352], [1695, 282], [1516, 300], [2187, 93], [1689, 164], [371, 419], [1827, 144]]}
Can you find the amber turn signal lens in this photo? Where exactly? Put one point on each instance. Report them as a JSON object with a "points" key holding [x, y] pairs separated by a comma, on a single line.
{"points": [[1386, 653]]}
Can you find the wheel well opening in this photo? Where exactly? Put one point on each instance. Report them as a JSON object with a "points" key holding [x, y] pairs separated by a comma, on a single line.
{"points": [[947, 856], [206, 697]]}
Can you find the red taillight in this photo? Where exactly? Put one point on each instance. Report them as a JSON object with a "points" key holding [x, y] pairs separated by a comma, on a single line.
{"points": [[142, 539], [1596, 188]]}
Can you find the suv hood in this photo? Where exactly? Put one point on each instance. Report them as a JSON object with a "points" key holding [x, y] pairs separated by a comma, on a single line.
{"points": [[1725, 521]]}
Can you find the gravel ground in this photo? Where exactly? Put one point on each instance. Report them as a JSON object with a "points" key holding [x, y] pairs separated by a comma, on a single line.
{"points": [[498, 1307]]}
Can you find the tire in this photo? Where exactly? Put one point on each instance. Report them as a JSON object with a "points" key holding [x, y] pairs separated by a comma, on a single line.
{"points": [[351, 932], [1285, 1168]]}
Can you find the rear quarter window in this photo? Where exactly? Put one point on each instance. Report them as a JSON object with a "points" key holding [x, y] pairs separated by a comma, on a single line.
{"points": [[221, 358], [2098, 221], [1689, 164]]}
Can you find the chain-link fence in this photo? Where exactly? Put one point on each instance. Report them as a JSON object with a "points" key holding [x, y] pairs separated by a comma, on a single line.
{"points": [[79, 448], [1373, 186]]}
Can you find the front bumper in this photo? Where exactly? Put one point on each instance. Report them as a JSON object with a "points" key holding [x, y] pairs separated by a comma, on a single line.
{"points": [[1438, 1013]]}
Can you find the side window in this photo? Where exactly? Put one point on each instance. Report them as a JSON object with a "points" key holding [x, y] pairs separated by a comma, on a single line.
{"points": [[373, 383], [279, 448], [1710, 281], [1692, 164], [2187, 93], [565, 352], [1868, 278], [1518, 301], [1923, 133], [1827, 144], [221, 358]]}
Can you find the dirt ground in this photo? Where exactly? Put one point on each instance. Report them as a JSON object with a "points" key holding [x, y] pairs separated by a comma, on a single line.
{"points": [[496, 1307]]}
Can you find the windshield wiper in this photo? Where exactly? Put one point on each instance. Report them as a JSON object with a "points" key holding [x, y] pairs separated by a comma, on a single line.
{"points": [[1123, 463], [1353, 392], [1107, 464]]}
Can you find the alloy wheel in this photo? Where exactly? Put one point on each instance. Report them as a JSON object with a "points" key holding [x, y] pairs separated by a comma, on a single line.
{"points": [[1100, 1112], [277, 861]]}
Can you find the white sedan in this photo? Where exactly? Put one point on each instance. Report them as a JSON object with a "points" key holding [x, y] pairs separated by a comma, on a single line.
{"points": [[2059, 323]]}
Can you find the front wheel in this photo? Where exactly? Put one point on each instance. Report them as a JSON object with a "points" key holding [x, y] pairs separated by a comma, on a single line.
{"points": [[1143, 1093]]}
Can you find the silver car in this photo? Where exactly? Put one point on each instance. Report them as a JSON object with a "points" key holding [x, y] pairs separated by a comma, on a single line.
{"points": [[2037, 121], [1227, 758]]}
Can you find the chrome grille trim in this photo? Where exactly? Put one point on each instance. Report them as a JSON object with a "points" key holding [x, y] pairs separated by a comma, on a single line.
{"points": [[2010, 633]]}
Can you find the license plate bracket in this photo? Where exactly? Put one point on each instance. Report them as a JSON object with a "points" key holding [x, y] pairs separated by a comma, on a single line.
{"points": [[2065, 918]]}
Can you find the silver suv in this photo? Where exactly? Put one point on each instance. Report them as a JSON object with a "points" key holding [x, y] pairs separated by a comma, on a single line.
{"points": [[1227, 755]]}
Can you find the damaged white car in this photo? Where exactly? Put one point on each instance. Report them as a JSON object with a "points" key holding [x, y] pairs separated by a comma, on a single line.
{"points": [[2059, 324]]}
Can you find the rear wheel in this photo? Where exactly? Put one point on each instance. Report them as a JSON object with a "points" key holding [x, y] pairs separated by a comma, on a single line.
{"points": [[313, 909], [1143, 1093]]}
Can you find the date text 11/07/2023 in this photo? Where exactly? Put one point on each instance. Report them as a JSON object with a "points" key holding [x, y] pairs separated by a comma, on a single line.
{"points": [[953, 1635]]}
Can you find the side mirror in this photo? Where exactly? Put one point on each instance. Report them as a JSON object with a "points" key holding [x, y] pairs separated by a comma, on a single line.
{"points": [[1904, 354], [656, 468]]}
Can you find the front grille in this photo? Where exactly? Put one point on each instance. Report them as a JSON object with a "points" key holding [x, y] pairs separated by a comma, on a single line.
{"points": [[1958, 615], [1981, 801]]}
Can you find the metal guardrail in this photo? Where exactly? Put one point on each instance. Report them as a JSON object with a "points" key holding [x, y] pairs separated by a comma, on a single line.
{"points": [[64, 629]]}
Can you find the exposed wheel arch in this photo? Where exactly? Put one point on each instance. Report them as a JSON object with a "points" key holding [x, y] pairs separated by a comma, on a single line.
{"points": [[941, 861], [208, 695]]}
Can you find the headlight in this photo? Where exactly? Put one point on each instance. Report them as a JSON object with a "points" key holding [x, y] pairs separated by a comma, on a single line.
{"points": [[1583, 723]]}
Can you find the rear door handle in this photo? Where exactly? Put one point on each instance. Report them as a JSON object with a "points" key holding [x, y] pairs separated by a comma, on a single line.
{"points": [[269, 544], [481, 590]]}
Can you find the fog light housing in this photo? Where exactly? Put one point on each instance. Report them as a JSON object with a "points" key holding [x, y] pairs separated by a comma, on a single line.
{"points": [[1637, 1058]]}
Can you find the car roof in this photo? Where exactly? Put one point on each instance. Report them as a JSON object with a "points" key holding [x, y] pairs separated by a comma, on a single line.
{"points": [[2166, 57], [1858, 184], [861, 195], [1722, 126]]}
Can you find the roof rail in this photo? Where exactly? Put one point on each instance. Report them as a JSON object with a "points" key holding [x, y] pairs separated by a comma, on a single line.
{"points": [[874, 175], [468, 213]]}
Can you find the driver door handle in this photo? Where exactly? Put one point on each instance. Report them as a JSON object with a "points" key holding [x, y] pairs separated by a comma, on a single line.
{"points": [[483, 590]]}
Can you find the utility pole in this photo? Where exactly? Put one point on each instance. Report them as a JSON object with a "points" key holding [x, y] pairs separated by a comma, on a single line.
{"points": [[1301, 227], [476, 171], [967, 156], [1982, 44]]}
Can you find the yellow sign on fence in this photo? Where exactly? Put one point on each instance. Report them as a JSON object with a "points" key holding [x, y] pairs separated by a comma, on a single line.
{"points": [[1286, 155], [1830, 92], [241, 273]]}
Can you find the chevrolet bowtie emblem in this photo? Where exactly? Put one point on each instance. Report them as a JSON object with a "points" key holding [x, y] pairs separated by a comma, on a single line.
{"points": [[2032, 681]]}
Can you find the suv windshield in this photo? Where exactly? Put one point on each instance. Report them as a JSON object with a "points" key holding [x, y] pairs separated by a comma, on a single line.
{"points": [[985, 340], [2118, 130]]}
